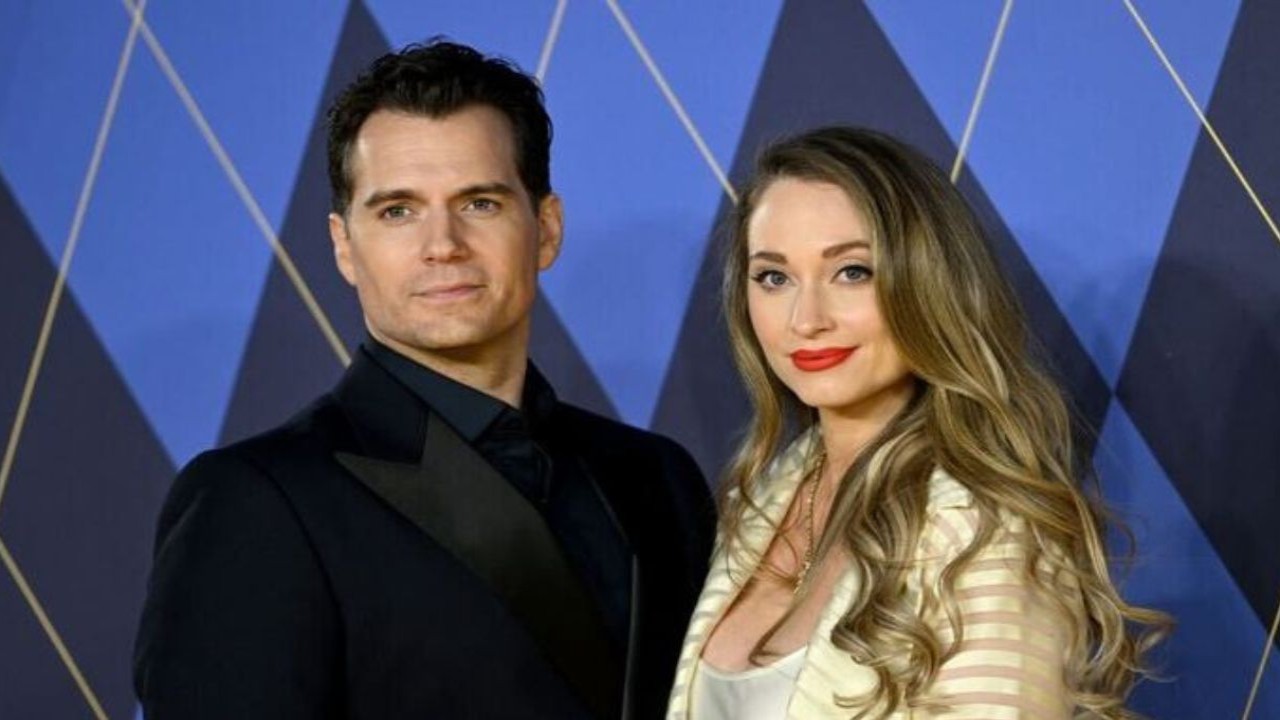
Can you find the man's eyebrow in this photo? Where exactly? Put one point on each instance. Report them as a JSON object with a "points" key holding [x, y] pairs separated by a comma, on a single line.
{"points": [[492, 188], [379, 197]]}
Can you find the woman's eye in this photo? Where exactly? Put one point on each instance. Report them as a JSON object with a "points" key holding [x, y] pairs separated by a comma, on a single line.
{"points": [[855, 273], [769, 279]]}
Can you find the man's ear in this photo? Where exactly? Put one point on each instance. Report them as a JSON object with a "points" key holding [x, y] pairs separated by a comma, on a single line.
{"points": [[342, 247], [551, 230]]}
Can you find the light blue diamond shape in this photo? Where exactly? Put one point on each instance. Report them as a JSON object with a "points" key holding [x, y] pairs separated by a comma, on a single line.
{"points": [[1083, 138], [639, 198], [170, 266]]}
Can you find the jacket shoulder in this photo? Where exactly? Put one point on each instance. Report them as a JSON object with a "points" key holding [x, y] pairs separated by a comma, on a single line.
{"points": [[238, 605], [322, 423], [249, 471], [602, 433]]}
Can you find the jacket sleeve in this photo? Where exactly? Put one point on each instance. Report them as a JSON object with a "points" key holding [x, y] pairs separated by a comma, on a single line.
{"points": [[1009, 661], [695, 511], [238, 621]]}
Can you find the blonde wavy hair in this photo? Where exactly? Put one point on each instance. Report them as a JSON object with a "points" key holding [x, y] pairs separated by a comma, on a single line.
{"points": [[983, 411]]}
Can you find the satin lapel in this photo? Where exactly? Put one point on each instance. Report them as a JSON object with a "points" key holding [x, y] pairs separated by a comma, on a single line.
{"points": [[468, 508], [731, 568]]}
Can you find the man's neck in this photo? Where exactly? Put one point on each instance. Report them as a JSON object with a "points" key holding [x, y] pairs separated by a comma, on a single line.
{"points": [[498, 374]]}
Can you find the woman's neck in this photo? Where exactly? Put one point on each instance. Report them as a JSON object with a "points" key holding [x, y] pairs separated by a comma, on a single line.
{"points": [[846, 431]]}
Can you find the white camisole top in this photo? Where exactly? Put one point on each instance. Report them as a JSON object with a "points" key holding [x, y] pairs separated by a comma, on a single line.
{"points": [[760, 693]]}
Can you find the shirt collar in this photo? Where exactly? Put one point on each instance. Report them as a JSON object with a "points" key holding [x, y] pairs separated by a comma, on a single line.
{"points": [[467, 410]]}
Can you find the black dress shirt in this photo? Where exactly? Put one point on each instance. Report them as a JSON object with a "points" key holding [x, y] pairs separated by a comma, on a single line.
{"points": [[545, 467]]}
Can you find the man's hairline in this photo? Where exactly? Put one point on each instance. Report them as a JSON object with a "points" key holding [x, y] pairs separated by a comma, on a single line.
{"points": [[349, 177]]}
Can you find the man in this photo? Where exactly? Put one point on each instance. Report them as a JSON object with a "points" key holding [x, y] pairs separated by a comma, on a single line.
{"points": [[438, 537]]}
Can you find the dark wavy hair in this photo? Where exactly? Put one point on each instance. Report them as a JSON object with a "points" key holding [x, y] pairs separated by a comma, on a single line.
{"points": [[436, 79]]}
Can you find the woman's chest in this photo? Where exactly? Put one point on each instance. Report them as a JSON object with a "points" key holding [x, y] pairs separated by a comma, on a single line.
{"points": [[769, 615]]}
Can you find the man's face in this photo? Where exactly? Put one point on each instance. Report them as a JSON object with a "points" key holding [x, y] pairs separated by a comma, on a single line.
{"points": [[441, 239]]}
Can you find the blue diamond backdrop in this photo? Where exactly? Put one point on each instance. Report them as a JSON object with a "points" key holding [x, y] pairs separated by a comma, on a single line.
{"points": [[162, 209]]}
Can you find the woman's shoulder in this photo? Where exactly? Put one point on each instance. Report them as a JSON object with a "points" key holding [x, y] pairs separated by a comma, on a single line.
{"points": [[782, 471], [947, 493], [954, 519]]}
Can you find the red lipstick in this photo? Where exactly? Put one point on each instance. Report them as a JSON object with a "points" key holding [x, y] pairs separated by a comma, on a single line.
{"points": [[821, 359]]}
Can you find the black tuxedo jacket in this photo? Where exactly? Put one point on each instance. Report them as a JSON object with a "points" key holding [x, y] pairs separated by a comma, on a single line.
{"points": [[362, 561]]}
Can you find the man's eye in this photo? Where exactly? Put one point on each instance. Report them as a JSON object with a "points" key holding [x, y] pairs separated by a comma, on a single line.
{"points": [[395, 212], [769, 279], [854, 273], [483, 205]]}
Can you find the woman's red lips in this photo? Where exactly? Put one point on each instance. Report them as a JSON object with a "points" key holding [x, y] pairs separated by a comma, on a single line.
{"points": [[815, 360]]}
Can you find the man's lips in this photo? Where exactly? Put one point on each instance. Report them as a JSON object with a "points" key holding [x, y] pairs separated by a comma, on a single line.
{"points": [[453, 291], [820, 359]]}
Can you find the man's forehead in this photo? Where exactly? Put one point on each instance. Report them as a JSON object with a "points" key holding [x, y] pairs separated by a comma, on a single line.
{"points": [[473, 145], [483, 123]]}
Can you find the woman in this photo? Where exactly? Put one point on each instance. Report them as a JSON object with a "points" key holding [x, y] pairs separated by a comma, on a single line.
{"points": [[903, 532]]}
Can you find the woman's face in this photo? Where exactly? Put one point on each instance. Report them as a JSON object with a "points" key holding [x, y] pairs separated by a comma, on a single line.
{"points": [[813, 304]]}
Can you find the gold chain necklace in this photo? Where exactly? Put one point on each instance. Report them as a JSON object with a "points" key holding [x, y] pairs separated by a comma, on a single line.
{"points": [[815, 478]]}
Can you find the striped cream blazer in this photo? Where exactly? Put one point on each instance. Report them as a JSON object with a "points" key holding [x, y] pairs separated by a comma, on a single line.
{"points": [[1009, 664]]}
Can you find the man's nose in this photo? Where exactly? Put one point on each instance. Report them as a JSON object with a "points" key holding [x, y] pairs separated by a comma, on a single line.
{"points": [[442, 238], [809, 314]]}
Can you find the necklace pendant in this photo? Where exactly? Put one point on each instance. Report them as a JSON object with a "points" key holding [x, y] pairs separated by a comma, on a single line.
{"points": [[813, 479], [800, 576]]}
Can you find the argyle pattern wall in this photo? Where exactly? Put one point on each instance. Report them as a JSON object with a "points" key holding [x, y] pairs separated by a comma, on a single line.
{"points": [[166, 282]]}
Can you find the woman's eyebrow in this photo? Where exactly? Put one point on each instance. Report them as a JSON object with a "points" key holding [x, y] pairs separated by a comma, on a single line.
{"points": [[769, 255], [845, 247], [827, 253]]}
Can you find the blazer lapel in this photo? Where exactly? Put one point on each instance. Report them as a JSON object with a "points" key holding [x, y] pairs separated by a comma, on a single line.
{"points": [[731, 567], [466, 506]]}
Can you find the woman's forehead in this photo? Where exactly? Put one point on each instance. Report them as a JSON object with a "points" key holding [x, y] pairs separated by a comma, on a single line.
{"points": [[806, 217]]}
